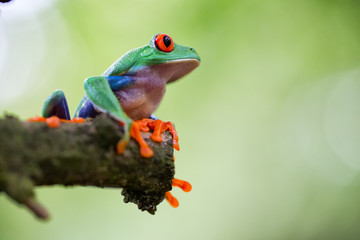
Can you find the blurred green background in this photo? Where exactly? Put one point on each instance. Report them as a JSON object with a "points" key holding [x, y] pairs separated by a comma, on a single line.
{"points": [[269, 123]]}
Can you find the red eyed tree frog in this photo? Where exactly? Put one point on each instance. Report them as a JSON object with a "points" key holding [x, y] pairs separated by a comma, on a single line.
{"points": [[130, 90], [132, 87]]}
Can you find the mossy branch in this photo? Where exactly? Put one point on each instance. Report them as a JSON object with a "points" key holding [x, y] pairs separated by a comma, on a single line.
{"points": [[32, 154]]}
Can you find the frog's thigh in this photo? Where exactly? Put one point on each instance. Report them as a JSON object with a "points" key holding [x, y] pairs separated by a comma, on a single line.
{"points": [[56, 105]]}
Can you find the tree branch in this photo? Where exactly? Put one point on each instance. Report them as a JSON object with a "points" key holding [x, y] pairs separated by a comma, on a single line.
{"points": [[32, 154]]}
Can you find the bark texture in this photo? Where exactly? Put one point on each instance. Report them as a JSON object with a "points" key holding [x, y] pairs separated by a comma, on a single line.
{"points": [[32, 154]]}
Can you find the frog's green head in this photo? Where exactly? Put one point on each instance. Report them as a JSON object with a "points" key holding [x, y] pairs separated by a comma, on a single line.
{"points": [[167, 57]]}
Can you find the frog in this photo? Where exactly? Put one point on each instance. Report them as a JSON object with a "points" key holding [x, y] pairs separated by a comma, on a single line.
{"points": [[132, 87], [129, 91]]}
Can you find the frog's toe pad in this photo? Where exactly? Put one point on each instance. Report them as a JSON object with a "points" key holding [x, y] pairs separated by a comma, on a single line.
{"points": [[171, 199], [53, 122], [184, 185]]}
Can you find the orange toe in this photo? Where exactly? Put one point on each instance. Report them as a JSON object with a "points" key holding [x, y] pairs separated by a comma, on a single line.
{"points": [[37, 119], [184, 185], [158, 126], [53, 122], [158, 129], [120, 146], [145, 150], [171, 199], [171, 128]]}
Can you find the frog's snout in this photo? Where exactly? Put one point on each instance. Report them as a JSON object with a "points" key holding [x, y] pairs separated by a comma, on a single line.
{"points": [[194, 54]]}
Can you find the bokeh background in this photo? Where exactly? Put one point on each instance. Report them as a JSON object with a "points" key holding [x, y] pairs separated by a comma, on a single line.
{"points": [[269, 123]]}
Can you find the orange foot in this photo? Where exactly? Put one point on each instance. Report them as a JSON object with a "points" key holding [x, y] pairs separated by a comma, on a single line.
{"points": [[146, 125], [158, 127], [184, 185], [145, 150], [54, 121]]}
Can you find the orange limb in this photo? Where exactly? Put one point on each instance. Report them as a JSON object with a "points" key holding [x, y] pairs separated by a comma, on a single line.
{"points": [[145, 150], [54, 121], [37, 119], [171, 128], [159, 127], [171, 199], [74, 120]]}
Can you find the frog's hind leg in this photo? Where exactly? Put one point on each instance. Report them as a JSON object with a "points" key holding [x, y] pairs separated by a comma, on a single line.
{"points": [[56, 105]]}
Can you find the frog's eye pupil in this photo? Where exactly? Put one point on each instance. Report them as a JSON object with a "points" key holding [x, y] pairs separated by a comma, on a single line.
{"points": [[164, 42], [167, 40]]}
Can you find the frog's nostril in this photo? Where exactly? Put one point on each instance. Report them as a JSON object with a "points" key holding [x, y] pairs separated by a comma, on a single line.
{"points": [[191, 49]]}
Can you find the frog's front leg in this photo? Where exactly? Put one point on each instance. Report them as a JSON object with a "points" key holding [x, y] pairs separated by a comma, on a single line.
{"points": [[102, 96]]}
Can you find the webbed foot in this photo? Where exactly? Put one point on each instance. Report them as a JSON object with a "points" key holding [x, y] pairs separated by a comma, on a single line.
{"points": [[145, 125], [54, 121], [159, 127], [145, 150]]}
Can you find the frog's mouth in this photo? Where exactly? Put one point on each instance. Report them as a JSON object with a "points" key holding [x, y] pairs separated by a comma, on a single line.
{"points": [[175, 69]]}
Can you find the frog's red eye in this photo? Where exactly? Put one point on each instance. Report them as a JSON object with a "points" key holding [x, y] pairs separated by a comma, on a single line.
{"points": [[164, 43]]}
